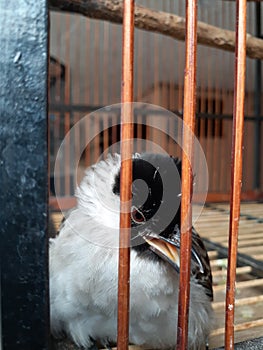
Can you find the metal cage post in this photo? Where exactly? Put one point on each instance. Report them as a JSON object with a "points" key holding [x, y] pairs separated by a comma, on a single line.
{"points": [[187, 176], [236, 168], [126, 175], [24, 174]]}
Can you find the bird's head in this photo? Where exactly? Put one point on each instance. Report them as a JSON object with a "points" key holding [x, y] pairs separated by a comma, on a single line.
{"points": [[155, 210]]}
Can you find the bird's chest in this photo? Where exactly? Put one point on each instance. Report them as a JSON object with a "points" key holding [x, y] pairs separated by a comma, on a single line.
{"points": [[153, 288]]}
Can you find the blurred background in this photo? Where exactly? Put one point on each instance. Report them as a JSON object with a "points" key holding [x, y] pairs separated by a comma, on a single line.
{"points": [[85, 75]]}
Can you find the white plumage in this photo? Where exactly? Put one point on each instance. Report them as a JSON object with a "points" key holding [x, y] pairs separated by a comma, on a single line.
{"points": [[84, 274]]}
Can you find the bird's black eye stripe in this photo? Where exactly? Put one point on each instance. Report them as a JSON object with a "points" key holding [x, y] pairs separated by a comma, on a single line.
{"points": [[137, 215]]}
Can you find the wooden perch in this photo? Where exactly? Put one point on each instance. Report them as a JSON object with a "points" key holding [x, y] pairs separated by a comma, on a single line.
{"points": [[159, 22]]}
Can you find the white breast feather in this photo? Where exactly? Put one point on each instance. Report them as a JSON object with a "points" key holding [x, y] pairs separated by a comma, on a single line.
{"points": [[83, 276]]}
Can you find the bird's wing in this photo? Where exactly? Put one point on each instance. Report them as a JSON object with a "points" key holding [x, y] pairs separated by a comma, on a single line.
{"points": [[201, 268]]}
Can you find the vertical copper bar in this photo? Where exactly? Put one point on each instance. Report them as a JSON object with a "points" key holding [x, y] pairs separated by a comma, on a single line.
{"points": [[106, 60], [96, 90], [105, 134], [56, 25], [96, 140], [236, 168], [172, 87], [187, 154], [157, 86], [139, 127], [180, 65], [96, 62], [126, 175], [105, 84], [87, 59], [114, 79], [76, 94], [114, 134], [224, 98], [139, 65], [67, 101]]}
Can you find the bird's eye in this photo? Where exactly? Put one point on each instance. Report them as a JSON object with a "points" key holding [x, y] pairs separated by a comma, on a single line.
{"points": [[137, 215]]}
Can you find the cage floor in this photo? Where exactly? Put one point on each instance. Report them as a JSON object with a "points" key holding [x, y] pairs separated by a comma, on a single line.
{"points": [[212, 225]]}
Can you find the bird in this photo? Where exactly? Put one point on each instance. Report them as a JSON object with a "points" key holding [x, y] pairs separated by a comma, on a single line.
{"points": [[83, 259]]}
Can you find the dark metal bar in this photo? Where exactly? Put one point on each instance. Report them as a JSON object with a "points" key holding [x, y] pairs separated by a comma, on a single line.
{"points": [[257, 104], [126, 175], [187, 176], [236, 169], [24, 174]]}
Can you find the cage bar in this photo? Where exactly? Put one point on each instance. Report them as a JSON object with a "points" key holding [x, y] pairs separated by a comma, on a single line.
{"points": [[236, 169], [126, 175], [67, 115], [187, 177], [23, 176], [257, 103]]}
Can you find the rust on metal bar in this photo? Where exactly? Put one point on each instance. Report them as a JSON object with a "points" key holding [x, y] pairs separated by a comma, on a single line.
{"points": [[236, 169], [187, 154], [126, 175]]}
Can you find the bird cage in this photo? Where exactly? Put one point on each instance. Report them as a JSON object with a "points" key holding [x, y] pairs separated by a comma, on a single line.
{"points": [[192, 61]]}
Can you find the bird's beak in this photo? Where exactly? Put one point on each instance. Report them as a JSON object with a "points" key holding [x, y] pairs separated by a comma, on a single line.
{"points": [[167, 249]]}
